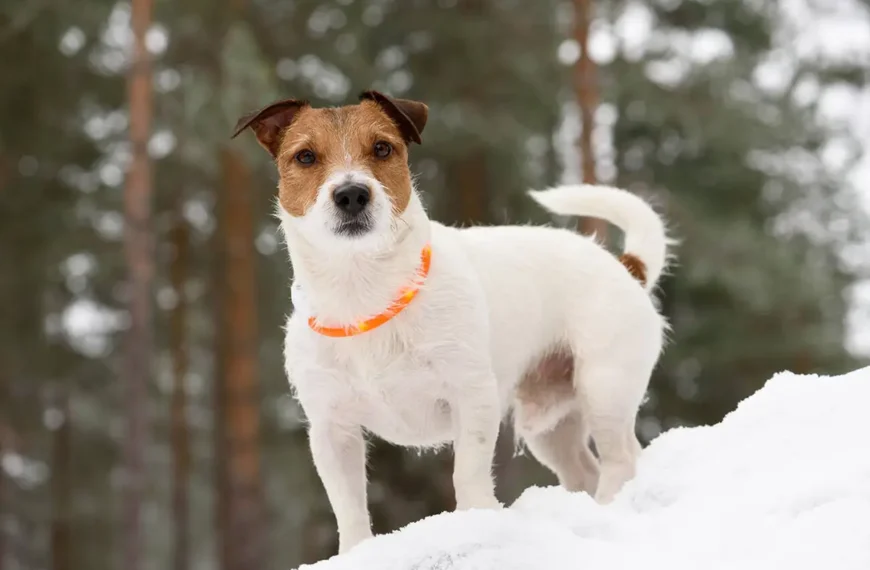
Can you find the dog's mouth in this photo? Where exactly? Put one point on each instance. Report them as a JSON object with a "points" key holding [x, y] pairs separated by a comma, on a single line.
{"points": [[353, 228]]}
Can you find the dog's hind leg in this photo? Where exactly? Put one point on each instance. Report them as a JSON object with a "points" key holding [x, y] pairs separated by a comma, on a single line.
{"points": [[610, 394], [548, 420], [564, 450]]}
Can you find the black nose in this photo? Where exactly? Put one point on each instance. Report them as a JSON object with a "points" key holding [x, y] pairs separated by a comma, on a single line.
{"points": [[351, 198]]}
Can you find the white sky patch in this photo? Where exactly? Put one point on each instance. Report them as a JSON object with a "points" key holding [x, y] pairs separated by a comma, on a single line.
{"points": [[633, 28], [167, 80], [27, 472], [838, 105], [116, 42], [569, 52], [111, 175], [806, 91], [156, 39], [686, 50], [197, 213], [89, 325], [832, 30], [110, 225], [668, 72], [708, 45], [72, 41], [161, 143], [603, 46], [837, 152], [775, 72]]}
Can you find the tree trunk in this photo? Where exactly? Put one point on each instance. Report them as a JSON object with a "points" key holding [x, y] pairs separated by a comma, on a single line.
{"points": [[139, 256], [242, 510], [468, 170], [469, 184], [586, 90], [61, 489], [179, 426]]}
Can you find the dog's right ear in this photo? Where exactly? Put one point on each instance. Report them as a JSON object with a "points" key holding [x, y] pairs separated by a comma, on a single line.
{"points": [[269, 121], [409, 116]]}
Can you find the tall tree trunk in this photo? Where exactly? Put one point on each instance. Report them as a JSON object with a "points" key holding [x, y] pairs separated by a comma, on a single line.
{"points": [[586, 90], [241, 512], [139, 256], [242, 529], [240, 509], [179, 426], [469, 184], [468, 171], [61, 488]]}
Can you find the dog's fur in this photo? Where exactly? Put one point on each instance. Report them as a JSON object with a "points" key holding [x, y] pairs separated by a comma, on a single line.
{"points": [[537, 320]]}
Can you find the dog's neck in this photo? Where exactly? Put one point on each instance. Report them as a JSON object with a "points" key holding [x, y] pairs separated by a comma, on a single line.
{"points": [[341, 288]]}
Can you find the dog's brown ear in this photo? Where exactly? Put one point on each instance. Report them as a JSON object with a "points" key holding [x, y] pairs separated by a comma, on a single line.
{"points": [[409, 116], [269, 121]]}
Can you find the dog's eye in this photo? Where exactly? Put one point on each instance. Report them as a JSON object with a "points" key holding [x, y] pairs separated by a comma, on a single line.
{"points": [[305, 157], [383, 149]]}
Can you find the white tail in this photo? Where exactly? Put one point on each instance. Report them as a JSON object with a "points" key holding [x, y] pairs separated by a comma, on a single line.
{"points": [[645, 235]]}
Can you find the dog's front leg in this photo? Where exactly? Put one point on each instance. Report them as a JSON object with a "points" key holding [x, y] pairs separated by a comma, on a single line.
{"points": [[339, 454], [476, 420]]}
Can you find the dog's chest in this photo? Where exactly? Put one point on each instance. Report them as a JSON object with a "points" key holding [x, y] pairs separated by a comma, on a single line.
{"points": [[393, 389]]}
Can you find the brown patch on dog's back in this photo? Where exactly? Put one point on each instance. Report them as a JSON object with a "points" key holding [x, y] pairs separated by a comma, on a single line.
{"points": [[342, 138], [635, 266]]}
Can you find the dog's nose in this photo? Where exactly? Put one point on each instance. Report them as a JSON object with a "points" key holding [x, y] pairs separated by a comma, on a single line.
{"points": [[351, 198]]}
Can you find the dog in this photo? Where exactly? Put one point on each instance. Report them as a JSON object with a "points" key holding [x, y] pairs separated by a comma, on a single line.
{"points": [[424, 334]]}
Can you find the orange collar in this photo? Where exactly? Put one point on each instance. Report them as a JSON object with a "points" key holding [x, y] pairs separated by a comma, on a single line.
{"points": [[404, 299]]}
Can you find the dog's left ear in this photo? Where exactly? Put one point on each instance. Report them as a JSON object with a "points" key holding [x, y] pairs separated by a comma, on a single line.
{"points": [[269, 122], [409, 116]]}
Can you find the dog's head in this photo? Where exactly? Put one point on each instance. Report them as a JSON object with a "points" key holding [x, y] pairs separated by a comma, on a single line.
{"points": [[344, 175]]}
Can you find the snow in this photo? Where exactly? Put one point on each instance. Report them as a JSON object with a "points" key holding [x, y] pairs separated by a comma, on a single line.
{"points": [[782, 482]]}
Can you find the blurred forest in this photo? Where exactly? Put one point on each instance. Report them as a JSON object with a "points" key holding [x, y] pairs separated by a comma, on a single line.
{"points": [[145, 420]]}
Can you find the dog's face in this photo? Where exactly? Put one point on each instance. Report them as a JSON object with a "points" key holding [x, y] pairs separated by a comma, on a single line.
{"points": [[344, 176]]}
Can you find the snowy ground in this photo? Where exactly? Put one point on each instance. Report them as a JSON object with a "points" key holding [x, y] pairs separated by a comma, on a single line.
{"points": [[782, 483]]}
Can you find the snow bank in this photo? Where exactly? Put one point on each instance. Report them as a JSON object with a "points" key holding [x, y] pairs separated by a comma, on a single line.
{"points": [[782, 482]]}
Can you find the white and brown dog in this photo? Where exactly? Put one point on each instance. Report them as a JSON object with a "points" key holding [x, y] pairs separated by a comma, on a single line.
{"points": [[425, 334]]}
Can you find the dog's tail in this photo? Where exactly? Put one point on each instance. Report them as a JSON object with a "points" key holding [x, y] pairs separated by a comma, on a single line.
{"points": [[646, 241]]}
